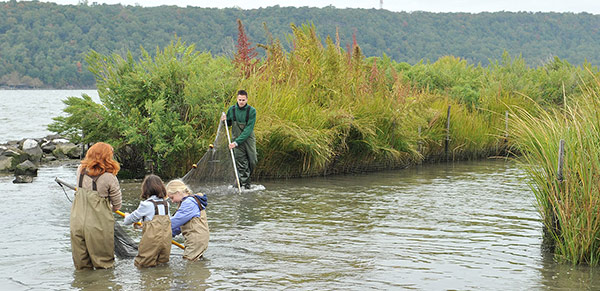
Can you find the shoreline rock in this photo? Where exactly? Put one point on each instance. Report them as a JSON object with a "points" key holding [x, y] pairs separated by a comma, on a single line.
{"points": [[24, 157]]}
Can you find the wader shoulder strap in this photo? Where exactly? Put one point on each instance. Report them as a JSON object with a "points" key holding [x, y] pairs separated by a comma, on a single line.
{"points": [[197, 201], [81, 178], [199, 204], [83, 173], [156, 203], [247, 113]]}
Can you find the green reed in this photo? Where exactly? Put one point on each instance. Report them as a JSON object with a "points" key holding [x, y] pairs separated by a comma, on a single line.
{"points": [[326, 110], [322, 109], [570, 207]]}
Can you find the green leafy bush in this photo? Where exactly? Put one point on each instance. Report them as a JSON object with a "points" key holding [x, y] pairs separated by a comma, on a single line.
{"points": [[159, 112]]}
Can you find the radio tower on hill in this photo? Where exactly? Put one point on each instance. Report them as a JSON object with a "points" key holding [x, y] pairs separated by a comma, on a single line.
{"points": [[380, 4]]}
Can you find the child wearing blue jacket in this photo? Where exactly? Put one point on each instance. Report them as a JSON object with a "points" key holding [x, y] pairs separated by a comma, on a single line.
{"points": [[190, 219]]}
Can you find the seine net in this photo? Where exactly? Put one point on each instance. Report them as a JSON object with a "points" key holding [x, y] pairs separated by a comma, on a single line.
{"points": [[214, 172], [125, 247]]}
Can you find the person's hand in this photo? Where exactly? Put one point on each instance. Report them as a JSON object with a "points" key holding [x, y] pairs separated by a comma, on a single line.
{"points": [[223, 117], [231, 145], [137, 225]]}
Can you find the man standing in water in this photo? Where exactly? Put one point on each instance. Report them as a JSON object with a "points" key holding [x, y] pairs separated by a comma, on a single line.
{"points": [[242, 117]]}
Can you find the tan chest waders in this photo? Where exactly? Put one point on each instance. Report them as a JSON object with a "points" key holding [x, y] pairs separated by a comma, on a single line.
{"points": [[92, 229], [196, 235], [155, 245]]}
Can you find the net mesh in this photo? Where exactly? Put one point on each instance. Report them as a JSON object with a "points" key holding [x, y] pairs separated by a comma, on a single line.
{"points": [[214, 172], [125, 247]]}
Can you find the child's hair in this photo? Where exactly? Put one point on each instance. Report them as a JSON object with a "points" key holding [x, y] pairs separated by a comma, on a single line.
{"points": [[178, 186], [153, 185]]}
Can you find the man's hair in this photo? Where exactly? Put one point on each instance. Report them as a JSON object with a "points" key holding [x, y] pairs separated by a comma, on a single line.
{"points": [[243, 93]]}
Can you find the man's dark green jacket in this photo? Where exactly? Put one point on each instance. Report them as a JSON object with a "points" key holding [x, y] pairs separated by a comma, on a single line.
{"points": [[241, 115]]}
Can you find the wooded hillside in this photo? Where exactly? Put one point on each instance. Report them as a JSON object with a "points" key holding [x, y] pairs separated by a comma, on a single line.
{"points": [[44, 44]]}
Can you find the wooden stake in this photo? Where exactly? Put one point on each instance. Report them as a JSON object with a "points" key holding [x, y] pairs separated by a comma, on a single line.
{"points": [[561, 159], [506, 126], [447, 133], [419, 141]]}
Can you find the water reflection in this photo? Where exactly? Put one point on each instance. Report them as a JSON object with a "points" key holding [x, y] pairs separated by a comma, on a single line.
{"points": [[95, 279], [567, 277], [157, 278], [191, 275]]}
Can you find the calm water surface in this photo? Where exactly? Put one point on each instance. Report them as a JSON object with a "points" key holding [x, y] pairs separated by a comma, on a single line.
{"points": [[465, 226], [27, 113], [462, 226]]}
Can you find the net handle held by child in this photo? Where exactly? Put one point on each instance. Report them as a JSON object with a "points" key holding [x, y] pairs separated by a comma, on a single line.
{"points": [[237, 179], [72, 187]]}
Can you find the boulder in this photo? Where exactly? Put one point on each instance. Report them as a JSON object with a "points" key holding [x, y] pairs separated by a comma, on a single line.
{"points": [[48, 147], [35, 154], [29, 144], [69, 150], [18, 155], [6, 163], [23, 179], [26, 168], [51, 137], [32, 148], [75, 152], [12, 152], [48, 158]]}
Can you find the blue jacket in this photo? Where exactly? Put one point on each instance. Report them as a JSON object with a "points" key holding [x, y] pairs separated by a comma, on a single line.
{"points": [[187, 210]]}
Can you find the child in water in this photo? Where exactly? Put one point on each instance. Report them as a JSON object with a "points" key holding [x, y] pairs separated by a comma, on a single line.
{"points": [[190, 219], [155, 245]]}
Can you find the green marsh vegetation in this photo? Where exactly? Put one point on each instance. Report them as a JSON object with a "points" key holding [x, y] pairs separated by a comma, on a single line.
{"points": [[325, 108], [158, 112], [569, 205], [322, 108]]}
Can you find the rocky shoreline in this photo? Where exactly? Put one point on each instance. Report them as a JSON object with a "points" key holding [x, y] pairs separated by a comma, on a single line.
{"points": [[24, 157]]}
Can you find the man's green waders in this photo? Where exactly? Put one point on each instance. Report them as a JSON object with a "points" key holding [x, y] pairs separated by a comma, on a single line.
{"points": [[92, 229], [244, 153]]}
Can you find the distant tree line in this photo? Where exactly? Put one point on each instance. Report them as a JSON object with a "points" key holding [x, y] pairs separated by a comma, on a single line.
{"points": [[45, 44]]}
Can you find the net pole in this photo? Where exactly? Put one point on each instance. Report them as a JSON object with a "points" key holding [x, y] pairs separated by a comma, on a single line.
{"points": [[237, 179]]}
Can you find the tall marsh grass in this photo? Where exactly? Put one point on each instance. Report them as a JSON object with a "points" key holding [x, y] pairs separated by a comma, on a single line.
{"points": [[323, 109], [570, 208]]}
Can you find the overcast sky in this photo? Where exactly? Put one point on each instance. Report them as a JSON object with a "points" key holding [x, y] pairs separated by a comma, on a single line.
{"points": [[473, 6]]}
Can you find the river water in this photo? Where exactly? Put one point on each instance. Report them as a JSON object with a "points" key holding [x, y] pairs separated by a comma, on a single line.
{"points": [[460, 226]]}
